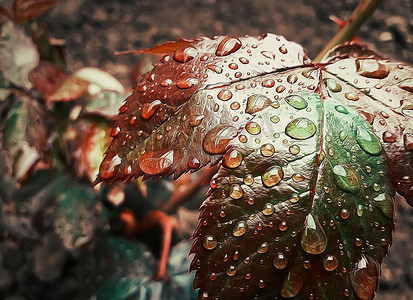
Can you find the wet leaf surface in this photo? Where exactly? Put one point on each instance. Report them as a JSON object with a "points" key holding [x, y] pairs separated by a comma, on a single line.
{"points": [[310, 157]]}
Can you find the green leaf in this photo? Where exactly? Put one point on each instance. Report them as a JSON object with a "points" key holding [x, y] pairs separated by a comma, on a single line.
{"points": [[18, 55], [76, 216], [104, 103]]}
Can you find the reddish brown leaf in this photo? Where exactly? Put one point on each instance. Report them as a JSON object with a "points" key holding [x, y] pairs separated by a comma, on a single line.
{"points": [[47, 78], [26, 10]]}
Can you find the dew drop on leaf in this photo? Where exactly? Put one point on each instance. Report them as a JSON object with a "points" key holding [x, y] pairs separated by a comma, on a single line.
{"points": [[227, 46], [389, 137], [217, 139], [332, 85], [368, 141], [149, 109], [292, 78], [110, 165], [256, 103], [330, 262], [292, 285], [248, 179], [300, 129], [351, 96], [185, 54], [272, 176], [156, 162], [253, 128], [341, 109], [240, 228], [346, 178], [364, 277], [280, 261], [231, 271], [196, 120], [268, 209], [267, 150], [263, 248], [296, 101], [235, 191], [314, 239], [232, 159], [210, 242], [225, 95]]}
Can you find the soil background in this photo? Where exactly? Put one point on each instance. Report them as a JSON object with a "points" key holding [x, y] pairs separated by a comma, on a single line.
{"points": [[94, 29]]}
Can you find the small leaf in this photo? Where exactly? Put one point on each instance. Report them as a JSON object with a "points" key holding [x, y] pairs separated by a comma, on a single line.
{"points": [[101, 78], [26, 10], [18, 54], [71, 89], [75, 217]]}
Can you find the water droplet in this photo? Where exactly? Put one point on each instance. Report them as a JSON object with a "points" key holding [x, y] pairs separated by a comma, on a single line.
{"points": [[280, 261], [346, 178], [210, 242], [292, 285], [268, 54], [296, 101], [240, 228], [187, 83], [249, 179], [280, 89], [283, 49], [253, 128], [364, 277], [185, 54], [225, 95], [272, 176], [300, 129], [275, 119], [196, 120], [217, 139], [351, 96], [233, 66], [307, 264], [267, 150], [115, 131], [263, 248], [408, 141], [344, 213], [261, 284], [268, 83], [256, 103], [292, 78], [236, 191], [268, 209], [156, 162], [389, 137], [149, 109], [283, 226], [231, 271], [371, 68], [166, 82], [368, 141], [314, 239], [332, 85], [232, 159], [215, 69], [110, 165], [213, 276], [243, 60], [235, 105], [242, 138], [194, 163], [330, 262], [227, 46], [298, 177], [341, 109]]}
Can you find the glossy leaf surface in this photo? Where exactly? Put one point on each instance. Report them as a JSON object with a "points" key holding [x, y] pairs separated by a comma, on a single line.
{"points": [[309, 156]]}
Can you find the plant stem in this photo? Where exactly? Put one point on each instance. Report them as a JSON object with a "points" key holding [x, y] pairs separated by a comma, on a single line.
{"points": [[362, 12]]}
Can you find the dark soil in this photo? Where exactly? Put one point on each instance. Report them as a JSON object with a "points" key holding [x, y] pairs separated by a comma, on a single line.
{"points": [[95, 29]]}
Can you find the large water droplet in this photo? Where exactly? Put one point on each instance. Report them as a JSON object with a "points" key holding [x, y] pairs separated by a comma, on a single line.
{"points": [[296, 101], [368, 141], [217, 139], [268, 209], [187, 83], [294, 149], [268, 83], [280, 261], [210, 242], [110, 165], [351, 96], [185, 54], [330, 263], [292, 78], [389, 137], [253, 128], [371, 68], [149, 109], [341, 109], [240, 228], [332, 85], [225, 95], [301, 129], [272, 176], [156, 162], [227, 46], [236, 191], [292, 285], [248, 179], [364, 277], [215, 68], [314, 239], [232, 159], [263, 248], [267, 150], [256, 103], [346, 178]]}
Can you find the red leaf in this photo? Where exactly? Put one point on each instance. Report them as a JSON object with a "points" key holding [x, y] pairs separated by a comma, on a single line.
{"points": [[26, 10]]}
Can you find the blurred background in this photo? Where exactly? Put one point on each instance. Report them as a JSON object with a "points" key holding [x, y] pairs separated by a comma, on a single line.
{"points": [[50, 264]]}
